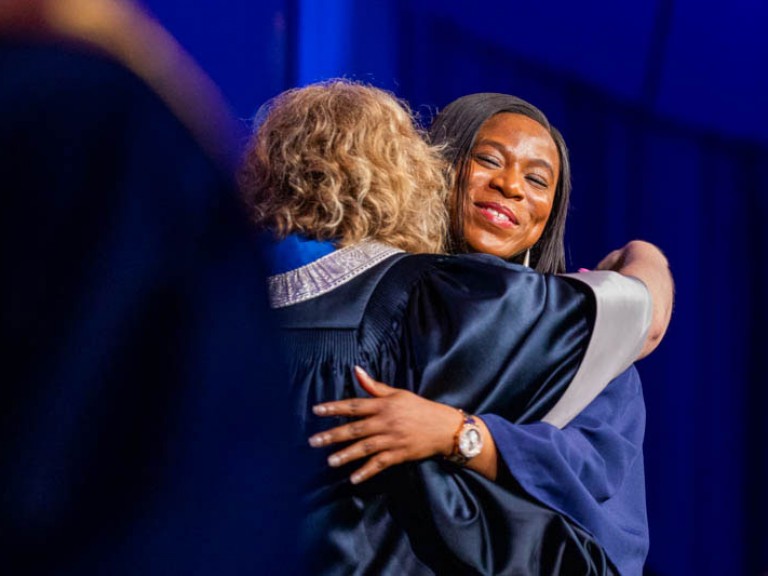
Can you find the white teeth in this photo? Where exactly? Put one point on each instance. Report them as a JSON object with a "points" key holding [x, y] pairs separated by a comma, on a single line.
{"points": [[498, 215]]}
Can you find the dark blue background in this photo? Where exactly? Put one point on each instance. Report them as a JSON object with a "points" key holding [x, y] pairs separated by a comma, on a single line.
{"points": [[662, 104]]}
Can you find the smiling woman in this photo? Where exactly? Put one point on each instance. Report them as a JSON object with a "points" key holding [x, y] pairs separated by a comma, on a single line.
{"points": [[511, 186], [510, 200], [510, 161]]}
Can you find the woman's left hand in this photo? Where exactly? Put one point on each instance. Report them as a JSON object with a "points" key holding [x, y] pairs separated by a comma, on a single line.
{"points": [[395, 426]]}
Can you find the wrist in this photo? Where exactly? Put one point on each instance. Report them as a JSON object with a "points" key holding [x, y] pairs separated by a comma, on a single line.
{"points": [[467, 440]]}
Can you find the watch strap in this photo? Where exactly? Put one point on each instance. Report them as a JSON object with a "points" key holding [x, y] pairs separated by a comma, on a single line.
{"points": [[456, 456]]}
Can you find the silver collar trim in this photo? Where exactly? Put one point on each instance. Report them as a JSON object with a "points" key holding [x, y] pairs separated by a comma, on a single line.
{"points": [[326, 273]]}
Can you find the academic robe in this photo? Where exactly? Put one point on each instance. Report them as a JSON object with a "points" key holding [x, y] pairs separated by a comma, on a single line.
{"points": [[470, 331]]}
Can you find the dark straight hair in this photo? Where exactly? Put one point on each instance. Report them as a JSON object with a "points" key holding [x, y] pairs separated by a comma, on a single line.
{"points": [[456, 128]]}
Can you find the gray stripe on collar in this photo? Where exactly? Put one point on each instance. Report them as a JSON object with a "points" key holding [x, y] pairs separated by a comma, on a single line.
{"points": [[326, 273]]}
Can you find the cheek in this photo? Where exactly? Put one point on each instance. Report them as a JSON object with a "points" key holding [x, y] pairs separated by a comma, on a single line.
{"points": [[540, 213], [469, 196], [471, 191], [543, 212]]}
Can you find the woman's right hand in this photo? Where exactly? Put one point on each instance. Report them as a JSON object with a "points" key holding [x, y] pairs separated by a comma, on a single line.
{"points": [[395, 426]]}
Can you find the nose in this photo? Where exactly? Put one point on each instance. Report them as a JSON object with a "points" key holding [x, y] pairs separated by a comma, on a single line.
{"points": [[509, 184]]}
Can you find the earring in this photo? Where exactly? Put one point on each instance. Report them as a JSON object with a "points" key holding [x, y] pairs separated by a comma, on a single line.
{"points": [[527, 259]]}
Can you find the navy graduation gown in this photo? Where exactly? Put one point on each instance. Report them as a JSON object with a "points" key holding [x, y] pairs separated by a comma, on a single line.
{"points": [[469, 331]]}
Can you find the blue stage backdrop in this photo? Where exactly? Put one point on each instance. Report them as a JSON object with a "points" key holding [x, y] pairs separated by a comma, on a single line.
{"points": [[661, 104]]}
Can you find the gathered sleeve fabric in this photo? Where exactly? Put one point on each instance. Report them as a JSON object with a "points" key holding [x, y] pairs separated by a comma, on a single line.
{"points": [[591, 471]]}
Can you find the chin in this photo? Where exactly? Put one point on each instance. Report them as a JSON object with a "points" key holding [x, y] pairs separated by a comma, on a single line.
{"points": [[480, 239], [491, 248]]}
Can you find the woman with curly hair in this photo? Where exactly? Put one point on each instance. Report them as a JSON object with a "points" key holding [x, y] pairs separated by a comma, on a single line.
{"points": [[344, 163], [338, 173]]}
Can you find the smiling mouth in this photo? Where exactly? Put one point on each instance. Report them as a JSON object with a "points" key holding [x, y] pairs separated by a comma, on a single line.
{"points": [[497, 214]]}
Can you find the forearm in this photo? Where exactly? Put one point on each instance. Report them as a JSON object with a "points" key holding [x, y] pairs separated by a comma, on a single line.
{"points": [[646, 262]]}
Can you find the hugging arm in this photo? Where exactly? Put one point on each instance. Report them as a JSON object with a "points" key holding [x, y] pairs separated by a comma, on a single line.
{"points": [[589, 457], [397, 425], [647, 263]]}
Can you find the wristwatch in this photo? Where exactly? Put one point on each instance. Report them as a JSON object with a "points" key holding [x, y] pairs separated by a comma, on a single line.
{"points": [[467, 442]]}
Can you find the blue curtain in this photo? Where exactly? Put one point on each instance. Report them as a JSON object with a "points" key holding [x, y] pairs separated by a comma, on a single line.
{"points": [[702, 197]]}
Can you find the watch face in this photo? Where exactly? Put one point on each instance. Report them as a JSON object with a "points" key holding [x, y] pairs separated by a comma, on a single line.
{"points": [[470, 441]]}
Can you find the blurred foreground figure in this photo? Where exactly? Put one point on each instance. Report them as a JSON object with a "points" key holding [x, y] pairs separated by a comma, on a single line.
{"points": [[140, 403]]}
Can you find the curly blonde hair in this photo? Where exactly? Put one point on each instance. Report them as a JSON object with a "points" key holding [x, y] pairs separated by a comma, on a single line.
{"points": [[344, 161]]}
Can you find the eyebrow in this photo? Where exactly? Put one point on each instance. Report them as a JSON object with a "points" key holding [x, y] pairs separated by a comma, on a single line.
{"points": [[500, 147]]}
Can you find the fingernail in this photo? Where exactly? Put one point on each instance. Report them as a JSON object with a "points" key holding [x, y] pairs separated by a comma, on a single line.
{"points": [[334, 460], [320, 410], [356, 478], [361, 371], [316, 441], [584, 270]]}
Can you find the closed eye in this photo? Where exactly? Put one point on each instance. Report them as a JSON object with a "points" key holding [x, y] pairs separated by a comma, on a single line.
{"points": [[538, 180], [487, 160]]}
